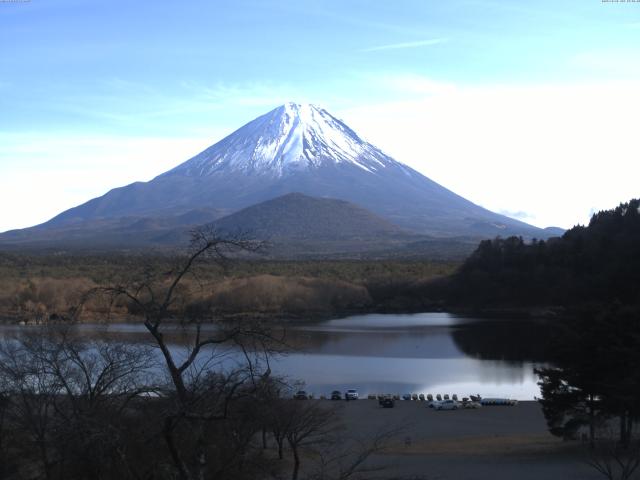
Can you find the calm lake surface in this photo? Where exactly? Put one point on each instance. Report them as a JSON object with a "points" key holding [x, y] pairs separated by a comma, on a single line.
{"points": [[390, 353], [419, 353]]}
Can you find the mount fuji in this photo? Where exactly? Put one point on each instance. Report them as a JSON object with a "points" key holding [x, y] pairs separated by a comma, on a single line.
{"points": [[292, 149]]}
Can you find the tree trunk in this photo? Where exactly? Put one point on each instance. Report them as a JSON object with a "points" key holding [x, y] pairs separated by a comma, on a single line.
{"points": [[624, 436], [44, 456], [264, 438], [201, 456], [183, 471], [592, 426], [296, 462], [174, 371], [202, 463]]}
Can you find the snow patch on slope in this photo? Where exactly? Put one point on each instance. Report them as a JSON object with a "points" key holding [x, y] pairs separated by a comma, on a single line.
{"points": [[290, 138]]}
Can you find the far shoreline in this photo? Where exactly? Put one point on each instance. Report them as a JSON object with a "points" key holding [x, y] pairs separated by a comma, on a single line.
{"points": [[539, 313]]}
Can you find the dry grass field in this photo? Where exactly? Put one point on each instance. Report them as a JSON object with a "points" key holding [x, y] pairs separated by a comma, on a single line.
{"points": [[41, 287]]}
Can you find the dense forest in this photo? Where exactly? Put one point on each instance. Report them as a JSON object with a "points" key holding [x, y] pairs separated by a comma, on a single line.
{"points": [[590, 384], [595, 374], [593, 265]]}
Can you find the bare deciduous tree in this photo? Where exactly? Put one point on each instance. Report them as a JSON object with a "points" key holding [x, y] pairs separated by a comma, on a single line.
{"points": [[348, 457], [80, 408], [614, 460], [6, 465], [65, 400], [200, 397]]}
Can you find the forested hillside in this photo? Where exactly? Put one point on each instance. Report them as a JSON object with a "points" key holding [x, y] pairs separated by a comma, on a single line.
{"points": [[596, 264]]}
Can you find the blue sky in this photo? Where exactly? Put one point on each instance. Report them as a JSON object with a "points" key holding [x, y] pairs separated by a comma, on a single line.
{"points": [[94, 95]]}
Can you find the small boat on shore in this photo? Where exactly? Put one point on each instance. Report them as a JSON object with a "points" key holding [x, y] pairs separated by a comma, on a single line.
{"points": [[498, 402]]}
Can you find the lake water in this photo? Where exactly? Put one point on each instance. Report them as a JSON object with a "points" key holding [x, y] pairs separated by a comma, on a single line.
{"points": [[390, 353], [420, 353]]}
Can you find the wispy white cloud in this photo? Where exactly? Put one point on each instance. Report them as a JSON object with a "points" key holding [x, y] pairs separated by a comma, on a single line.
{"points": [[552, 150], [190, 108], [621, 63], [411, 84], [519, 215], [403, 45], [252, 94]]}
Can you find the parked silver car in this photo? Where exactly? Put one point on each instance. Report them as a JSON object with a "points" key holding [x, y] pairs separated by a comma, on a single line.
{"points": [[447, 405], [351, 394]]}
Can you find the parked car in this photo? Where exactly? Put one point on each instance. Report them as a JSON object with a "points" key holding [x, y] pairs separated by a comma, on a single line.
{"points": [[336, 395], [406, 396], [471, 404], [351, 394], [447, 405], [302, 395], [387, 402]]}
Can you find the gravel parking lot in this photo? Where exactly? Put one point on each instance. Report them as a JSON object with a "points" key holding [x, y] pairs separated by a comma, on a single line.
{"points": [[491, 442]]}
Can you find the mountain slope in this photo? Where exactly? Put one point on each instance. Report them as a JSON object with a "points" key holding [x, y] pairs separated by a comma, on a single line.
{"points": [[299, 217], [293, 148], [105, 233]]}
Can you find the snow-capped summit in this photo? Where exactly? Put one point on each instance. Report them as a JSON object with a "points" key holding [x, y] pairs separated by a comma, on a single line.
{"points": [[290, 138]]}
